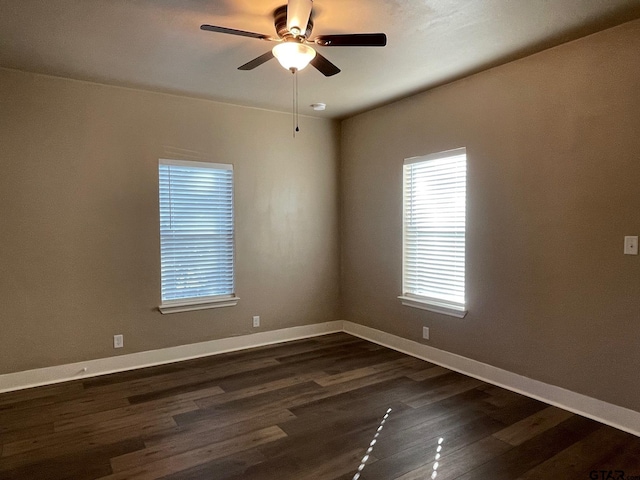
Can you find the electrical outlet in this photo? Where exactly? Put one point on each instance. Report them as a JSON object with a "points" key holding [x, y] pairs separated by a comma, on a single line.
{"points": [[425, 333], [118, 341], [256, 321], [631, 245]]}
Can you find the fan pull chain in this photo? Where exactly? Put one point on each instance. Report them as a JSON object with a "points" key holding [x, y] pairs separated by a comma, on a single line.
{"points": [[294, 115], [293, 102], [297, 103]]}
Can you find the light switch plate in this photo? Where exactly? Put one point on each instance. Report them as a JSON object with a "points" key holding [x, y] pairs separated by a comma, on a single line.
{"points": [[631, 245], [425, 333]]}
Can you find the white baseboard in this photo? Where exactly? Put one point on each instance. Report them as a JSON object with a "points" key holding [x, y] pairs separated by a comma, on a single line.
{"points": [[603, 412], [103, 366], [607, 413]]}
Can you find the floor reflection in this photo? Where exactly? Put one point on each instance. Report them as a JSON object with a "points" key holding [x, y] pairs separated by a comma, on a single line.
{"points": [[371, 445], [369, 451], [437, 458]]}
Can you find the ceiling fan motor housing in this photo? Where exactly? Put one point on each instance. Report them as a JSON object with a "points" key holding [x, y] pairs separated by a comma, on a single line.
{"points": [[280, 20]]}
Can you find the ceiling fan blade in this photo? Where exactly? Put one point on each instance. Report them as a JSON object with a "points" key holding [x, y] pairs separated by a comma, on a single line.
{"points": [[232, 31], [298, 14], [352, 40], [324, 66], [256, 62]]}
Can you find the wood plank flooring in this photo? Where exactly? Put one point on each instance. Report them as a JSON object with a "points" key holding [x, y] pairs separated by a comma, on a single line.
{"points": [[310, 409]]}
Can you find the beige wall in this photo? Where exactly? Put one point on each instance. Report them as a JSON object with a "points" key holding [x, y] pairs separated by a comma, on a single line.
{"points": [[79, 233], [554, 170], [553, 145]]}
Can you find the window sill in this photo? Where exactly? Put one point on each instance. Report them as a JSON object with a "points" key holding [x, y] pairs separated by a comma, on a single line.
{"points": [[432, 306], [202, 304]]}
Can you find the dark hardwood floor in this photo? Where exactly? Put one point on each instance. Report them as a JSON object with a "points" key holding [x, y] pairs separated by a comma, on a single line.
{"points": [[310, 409]]}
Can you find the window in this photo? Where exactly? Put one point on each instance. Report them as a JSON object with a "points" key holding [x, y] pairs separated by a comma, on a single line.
{"points": [[196, 235], [434, 232]]}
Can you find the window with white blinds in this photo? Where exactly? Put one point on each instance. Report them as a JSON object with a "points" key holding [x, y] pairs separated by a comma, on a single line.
{"points": [[196, 235], [434, 213]]}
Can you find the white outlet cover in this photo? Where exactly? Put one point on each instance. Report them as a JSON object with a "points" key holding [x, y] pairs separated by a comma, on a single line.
{"points": [[256, 320], [631, 245], [118, 341], [425, 333]]}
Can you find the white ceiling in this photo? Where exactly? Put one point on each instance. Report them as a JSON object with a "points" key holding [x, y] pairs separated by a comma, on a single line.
{"points": [[158, 45]]}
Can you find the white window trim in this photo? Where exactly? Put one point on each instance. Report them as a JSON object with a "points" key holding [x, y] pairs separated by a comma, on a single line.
{"points": [[200, 303], [417, 301], [434, 156], [433, 305]]}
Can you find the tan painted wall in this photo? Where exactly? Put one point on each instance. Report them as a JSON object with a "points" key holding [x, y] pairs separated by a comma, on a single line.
{"points": [[79, 233], [553, 145], [553, 175]]}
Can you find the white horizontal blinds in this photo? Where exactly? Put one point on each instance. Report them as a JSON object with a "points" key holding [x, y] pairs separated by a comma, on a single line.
{"points": [[434, 228], [196, 230]]}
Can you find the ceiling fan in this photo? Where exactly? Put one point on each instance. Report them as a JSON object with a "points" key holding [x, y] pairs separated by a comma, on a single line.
{"points": [[294, 23]]}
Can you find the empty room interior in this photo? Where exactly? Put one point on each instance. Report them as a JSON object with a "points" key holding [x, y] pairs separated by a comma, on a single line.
{"points": [[411, 252]]}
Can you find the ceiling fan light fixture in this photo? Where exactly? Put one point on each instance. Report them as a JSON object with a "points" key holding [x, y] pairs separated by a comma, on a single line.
{"points": [[293, 55]]}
